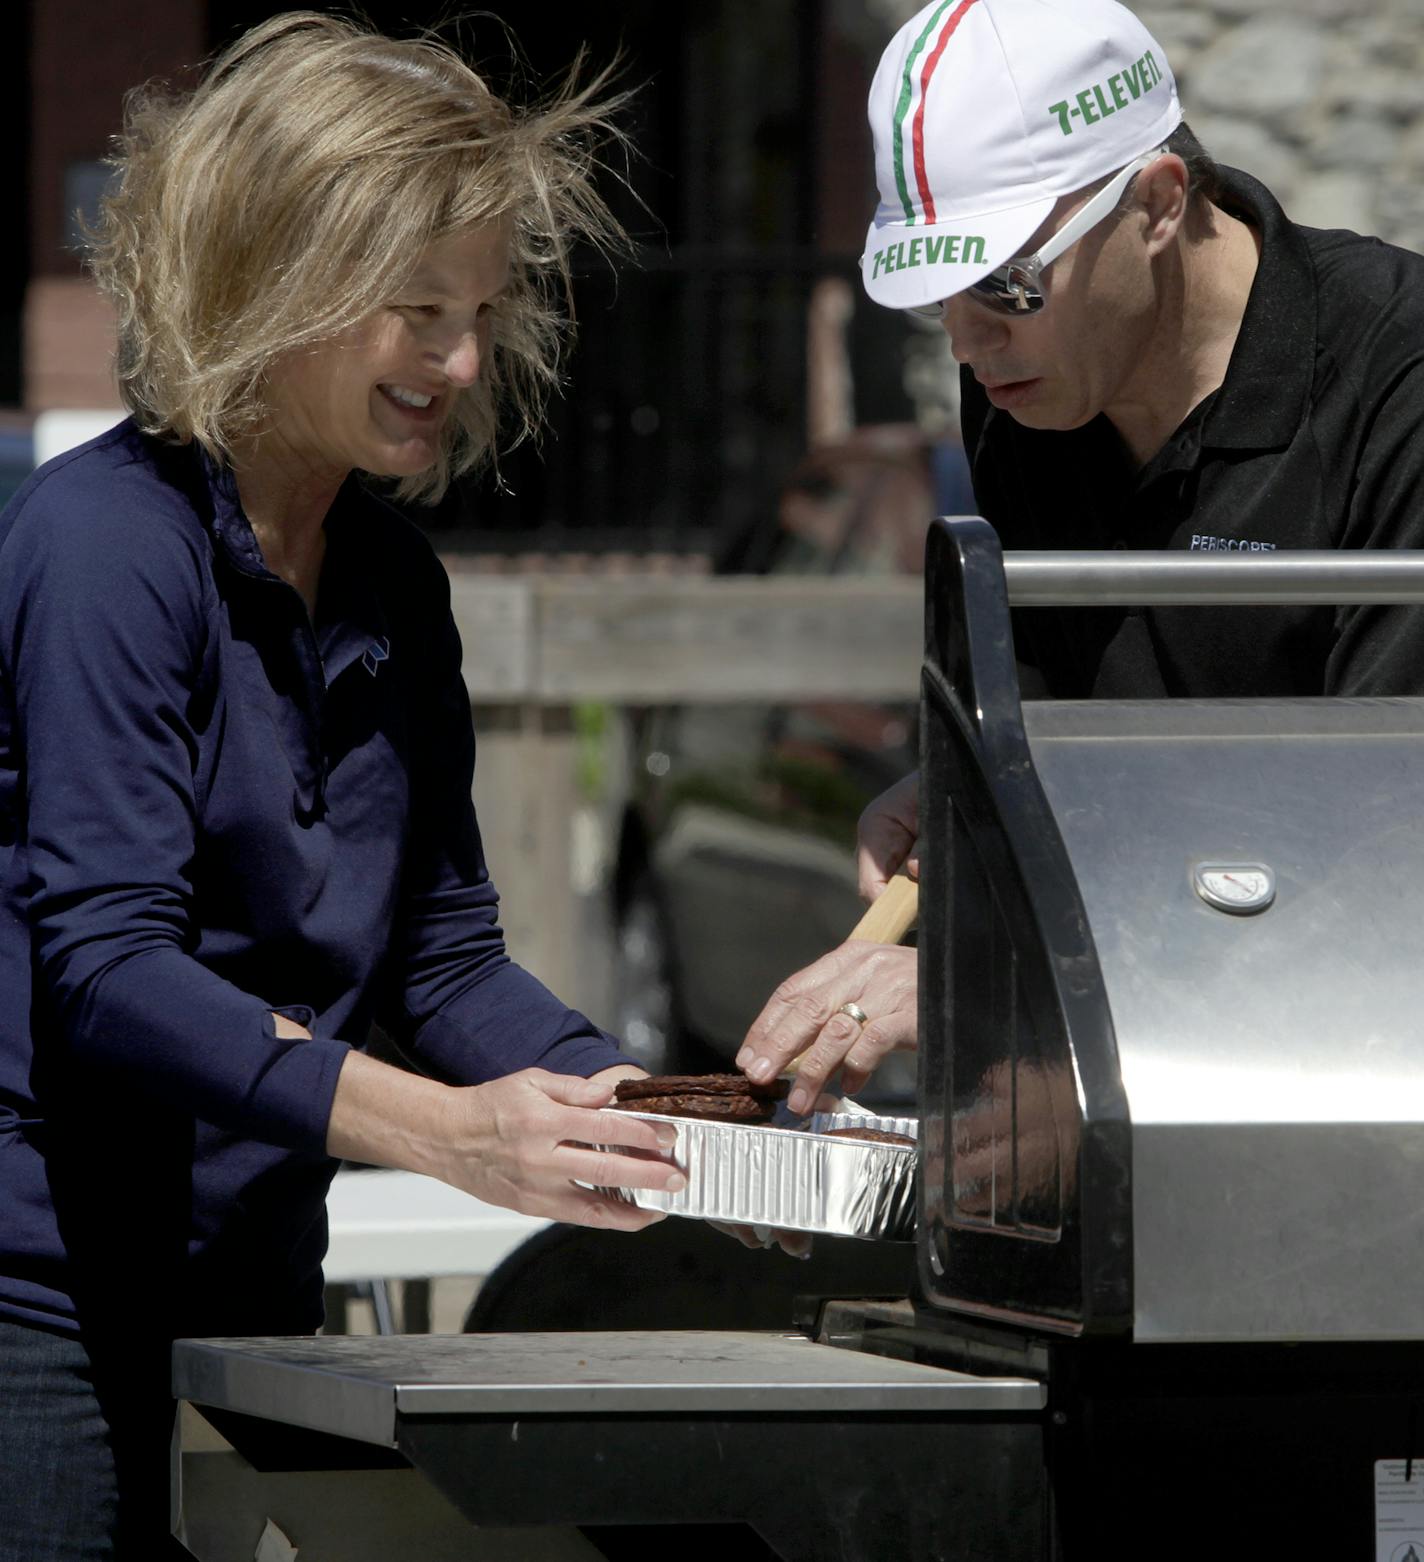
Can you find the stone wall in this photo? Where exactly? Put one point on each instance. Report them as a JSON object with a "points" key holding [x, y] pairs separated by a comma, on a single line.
{"points": [[1323, 100]]}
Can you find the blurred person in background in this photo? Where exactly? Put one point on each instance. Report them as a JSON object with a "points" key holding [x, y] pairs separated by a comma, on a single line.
{"points": [[1152, 356], [235, 749]]}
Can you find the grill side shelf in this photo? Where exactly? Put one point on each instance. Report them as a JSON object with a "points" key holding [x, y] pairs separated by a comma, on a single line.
{"points": [[1026, 1160]]}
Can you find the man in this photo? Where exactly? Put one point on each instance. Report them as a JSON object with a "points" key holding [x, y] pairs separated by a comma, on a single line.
{"points": [[1152, 356]]}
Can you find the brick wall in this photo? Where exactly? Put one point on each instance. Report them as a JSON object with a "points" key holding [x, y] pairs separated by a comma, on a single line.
{"points": [[84, 57]]}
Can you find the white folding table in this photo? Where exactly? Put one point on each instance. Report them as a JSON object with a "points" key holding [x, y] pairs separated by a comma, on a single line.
{"points": [[393, 1225]]}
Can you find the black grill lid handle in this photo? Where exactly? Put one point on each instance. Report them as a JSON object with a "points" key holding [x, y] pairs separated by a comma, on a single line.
{"points": [[1014, 1011]]}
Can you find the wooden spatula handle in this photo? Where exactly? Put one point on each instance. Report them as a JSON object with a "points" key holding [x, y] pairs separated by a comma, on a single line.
{"points": [[891, 914]]}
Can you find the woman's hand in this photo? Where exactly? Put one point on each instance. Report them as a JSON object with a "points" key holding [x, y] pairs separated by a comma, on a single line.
{"points": [[523, 1141], [887, 837], [881, 979]]}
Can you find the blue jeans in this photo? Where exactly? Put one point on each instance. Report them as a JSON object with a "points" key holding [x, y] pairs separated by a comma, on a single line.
{"points": [[83, 1449]]}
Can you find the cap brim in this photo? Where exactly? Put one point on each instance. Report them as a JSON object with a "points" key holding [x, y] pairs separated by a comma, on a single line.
{"points": [[906, 263]]}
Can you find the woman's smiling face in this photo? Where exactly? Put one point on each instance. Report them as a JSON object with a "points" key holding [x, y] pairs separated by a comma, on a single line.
{"points": [[377, 396]]}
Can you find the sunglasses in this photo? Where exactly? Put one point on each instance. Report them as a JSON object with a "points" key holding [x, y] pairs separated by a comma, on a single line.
{"points": [[1017, 287]]}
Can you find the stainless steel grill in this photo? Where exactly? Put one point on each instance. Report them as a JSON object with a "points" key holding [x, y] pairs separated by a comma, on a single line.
{"points": [[1171, 1296], [1173, 1019]]}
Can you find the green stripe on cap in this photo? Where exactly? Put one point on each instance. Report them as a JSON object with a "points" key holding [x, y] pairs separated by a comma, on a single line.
{"points": [[907, 91]]}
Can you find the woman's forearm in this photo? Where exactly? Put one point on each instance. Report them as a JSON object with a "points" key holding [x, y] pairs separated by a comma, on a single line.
{"points": [[385, 1116], [380, 1116]]}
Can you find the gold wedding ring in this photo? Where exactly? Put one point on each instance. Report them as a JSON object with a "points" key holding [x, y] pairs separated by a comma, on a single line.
{"points": [[856, 1013]]}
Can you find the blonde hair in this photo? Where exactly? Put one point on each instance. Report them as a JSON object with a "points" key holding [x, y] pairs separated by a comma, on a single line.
{"points": [[294, 192]]}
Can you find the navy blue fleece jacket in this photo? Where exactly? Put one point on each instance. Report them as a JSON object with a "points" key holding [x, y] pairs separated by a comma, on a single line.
{"points": [[211, 808]]}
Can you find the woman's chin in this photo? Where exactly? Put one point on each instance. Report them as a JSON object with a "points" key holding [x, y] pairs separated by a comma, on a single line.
{"points": [[406, 461]]}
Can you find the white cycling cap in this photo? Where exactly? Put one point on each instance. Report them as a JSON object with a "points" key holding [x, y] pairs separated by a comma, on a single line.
{"points": [[984, 113]]}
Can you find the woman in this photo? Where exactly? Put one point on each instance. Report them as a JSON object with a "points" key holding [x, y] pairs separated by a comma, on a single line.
{"points": [[235, 750]]}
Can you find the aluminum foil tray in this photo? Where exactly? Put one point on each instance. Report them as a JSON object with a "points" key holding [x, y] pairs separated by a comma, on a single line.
{"points": [[792, 1179]]}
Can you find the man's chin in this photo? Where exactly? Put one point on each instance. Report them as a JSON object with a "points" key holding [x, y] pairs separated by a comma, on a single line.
{"points": [[1050, 419]]}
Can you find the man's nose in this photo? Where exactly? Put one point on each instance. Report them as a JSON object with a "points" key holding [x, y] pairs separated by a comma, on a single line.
{"points": [[972, 328]]}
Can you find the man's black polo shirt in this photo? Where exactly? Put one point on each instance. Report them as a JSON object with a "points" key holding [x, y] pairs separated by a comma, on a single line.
{"points": [[1314, 440]]}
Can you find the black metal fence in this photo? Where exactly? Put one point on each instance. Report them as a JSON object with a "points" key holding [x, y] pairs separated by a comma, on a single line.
{"points": [[685, 410]]}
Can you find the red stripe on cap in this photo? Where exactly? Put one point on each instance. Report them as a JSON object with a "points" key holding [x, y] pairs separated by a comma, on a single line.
{"points": [[917, 134]]}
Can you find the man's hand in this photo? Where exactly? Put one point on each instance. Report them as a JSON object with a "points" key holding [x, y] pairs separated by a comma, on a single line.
{"points": [[804, 1013], [887, 837], [795, 1244]]}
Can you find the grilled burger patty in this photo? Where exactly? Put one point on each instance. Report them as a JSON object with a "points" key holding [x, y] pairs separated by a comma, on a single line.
{"points": [[700, 1085], [712, 1109], [870, 1135]]}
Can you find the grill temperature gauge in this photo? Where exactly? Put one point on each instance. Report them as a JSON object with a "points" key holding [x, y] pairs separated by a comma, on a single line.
{"points": [[1238, 887]]}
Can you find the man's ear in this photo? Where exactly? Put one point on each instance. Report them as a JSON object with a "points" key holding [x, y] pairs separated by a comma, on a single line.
{"points": [[1161, 194]]}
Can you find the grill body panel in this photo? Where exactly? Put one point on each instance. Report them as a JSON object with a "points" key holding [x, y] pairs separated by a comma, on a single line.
{"points": [[1273, 1061], [1172, 1000]]}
